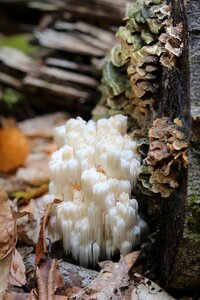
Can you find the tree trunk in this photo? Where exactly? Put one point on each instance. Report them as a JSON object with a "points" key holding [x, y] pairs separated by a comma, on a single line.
{"points": [[174, 255]]}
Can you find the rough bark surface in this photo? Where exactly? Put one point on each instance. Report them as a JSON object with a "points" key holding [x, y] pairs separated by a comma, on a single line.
{"points": [[177, 239], [186, 272]]}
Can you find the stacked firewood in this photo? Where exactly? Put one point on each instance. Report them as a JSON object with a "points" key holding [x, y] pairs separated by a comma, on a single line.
{"points": [[72, 38]]}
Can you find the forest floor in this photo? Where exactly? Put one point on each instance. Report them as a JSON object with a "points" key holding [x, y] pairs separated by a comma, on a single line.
{"points": [[32, 268]]}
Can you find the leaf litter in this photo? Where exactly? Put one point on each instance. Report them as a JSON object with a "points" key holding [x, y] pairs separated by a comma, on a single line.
{"points": [[28, 271]]}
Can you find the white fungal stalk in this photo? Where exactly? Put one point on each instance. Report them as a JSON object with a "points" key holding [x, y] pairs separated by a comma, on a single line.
{"points": [[94, 172]]}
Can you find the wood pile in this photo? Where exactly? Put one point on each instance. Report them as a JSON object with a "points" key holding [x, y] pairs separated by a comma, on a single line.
{"points": [[72, 39]]}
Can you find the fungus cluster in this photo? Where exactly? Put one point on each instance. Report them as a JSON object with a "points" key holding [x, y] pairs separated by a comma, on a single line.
{"points": [[166, 158], [94, 172], [130, 74]]}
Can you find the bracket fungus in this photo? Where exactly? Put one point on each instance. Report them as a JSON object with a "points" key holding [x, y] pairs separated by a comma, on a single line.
{"points": [[166, 158], [94, 172], [148, 41]]}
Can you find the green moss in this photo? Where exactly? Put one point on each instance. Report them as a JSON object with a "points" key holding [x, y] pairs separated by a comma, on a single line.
{"points": [[19, 41], [194, 213], [11, 96]]}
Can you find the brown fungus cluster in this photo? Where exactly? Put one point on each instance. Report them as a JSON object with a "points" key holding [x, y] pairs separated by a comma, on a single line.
{"points": [[130, 73], [166, 157]]}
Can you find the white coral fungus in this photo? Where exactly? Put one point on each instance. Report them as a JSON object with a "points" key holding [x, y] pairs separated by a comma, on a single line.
{"points": [[94, 172]]}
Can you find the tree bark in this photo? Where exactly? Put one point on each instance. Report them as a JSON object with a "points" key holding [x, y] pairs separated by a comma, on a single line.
{"points": [[177, 237]]}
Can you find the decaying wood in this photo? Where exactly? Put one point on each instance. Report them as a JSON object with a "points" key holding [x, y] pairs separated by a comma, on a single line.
{"points": [[176, 243], [186, 271], [65, 73]]}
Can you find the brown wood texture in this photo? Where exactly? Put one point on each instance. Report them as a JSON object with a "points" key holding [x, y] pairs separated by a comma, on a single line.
{"points": [[175, 241], [186, 270], [73, 37]]}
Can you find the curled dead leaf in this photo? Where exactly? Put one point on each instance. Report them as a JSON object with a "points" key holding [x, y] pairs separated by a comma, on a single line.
{"points": [[41, 247]]}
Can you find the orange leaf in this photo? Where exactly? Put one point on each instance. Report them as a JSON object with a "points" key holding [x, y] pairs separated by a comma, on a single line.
{"points": [[14, 149]]}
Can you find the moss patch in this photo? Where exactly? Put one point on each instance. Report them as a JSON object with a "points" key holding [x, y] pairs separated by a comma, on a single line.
{"points": [[19, 41], [194, 216]]}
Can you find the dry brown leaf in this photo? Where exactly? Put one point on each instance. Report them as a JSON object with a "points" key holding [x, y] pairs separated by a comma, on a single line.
{"points": [[54, 280], [28, 227], [112, 278], [18, 215], [119, 285], [8, 237], [17, 270], [4, 271], [14, 149], [8, 232], [32, 295], [43, 126], [35, 171], [59, 279], [36, 175], [71, 291], [44, 267], [131, 258], [42, 290], [50, 277], [11, 184], [60, 297], [9, 296], [20, 296], [41, 248]]}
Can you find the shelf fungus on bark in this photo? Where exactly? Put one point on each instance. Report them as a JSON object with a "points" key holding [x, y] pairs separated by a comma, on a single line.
{"points": [[166, 157], [130, 74], [94, 173]]}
